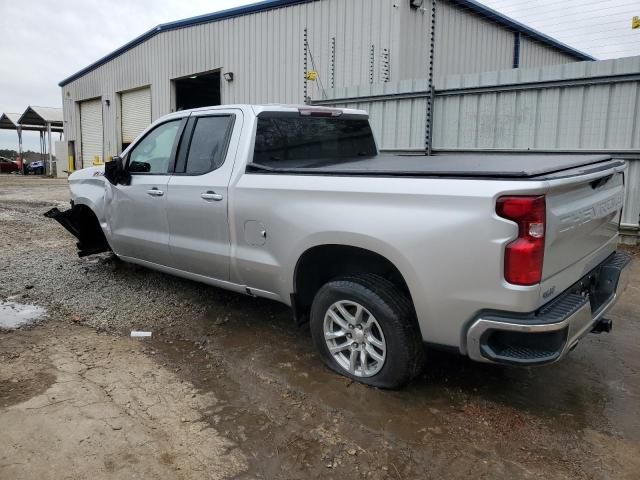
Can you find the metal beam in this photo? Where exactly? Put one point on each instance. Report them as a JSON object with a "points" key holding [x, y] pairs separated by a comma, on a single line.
{"points": [[373, 98], [509, 87], [512, 87]]}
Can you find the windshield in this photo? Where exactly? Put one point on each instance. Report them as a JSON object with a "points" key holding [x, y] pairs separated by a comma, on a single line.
{"points": [[291, 140]]}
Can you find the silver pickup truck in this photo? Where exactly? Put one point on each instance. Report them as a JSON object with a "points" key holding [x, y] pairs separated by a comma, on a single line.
{"points": [[509, 259]]}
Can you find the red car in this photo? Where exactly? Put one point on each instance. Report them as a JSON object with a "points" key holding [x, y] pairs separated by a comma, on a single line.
{"points": [[8, 166]]}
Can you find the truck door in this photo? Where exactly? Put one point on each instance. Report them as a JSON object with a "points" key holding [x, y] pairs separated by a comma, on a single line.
{"points": [[197, 208], [138, 217]]}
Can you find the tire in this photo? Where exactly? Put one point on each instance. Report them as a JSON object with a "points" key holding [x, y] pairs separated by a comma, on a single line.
{"points": [[394, 326]]}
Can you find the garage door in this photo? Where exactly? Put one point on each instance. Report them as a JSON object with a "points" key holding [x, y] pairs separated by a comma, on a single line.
{"points": [[136, 113], [91, 131]]}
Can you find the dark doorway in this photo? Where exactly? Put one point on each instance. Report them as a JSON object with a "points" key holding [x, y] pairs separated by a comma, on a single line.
{"points": [[199, 90]]}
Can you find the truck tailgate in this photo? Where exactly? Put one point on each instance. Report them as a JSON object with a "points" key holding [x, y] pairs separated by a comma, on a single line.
{"points": [[583, 214]]}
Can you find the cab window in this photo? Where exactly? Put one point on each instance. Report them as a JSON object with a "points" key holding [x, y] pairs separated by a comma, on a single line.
{"points": [[153, 153], [208, 145]]}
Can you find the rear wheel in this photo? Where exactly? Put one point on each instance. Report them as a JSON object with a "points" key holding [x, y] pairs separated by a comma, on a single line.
{"points": [[365, 328]]}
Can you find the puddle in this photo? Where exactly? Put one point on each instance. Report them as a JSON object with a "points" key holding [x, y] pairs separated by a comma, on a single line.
{"points": [[15, 315], [592, 388], [23, 387], [290, 413]]}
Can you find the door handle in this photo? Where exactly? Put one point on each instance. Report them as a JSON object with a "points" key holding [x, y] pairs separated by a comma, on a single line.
{"points": [[211, 196], [154, 192]]}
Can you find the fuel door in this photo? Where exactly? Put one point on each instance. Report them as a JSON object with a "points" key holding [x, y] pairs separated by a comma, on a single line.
{"points": [[255, 233]]}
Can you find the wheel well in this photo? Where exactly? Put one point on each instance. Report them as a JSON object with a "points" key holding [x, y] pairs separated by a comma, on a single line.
{"points": [[320, 264], [83, 223], [93, 236]]}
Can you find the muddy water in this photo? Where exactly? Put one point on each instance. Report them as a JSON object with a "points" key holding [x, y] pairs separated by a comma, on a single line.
{"points": [[456, 409], [595, 387], [14, 315]]}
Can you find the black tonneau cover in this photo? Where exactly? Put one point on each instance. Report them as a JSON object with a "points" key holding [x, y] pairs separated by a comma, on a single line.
{"points": [[467, 165]]}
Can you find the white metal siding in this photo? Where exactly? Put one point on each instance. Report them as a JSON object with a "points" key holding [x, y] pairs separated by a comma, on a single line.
{"points": [[562, 116], [265, 51], [466, 42], [537, 117], [135, 113], [91, 131], [535, 54]]}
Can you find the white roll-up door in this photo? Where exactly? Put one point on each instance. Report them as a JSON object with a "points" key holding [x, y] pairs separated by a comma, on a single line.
{"points": [[91, 131], [135, 112]]}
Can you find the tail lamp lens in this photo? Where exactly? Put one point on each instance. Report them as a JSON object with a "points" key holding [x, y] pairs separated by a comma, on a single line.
{"points": [[523, 257]]}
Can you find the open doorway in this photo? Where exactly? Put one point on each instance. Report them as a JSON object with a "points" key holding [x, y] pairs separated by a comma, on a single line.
{"points": [[198, 90]]}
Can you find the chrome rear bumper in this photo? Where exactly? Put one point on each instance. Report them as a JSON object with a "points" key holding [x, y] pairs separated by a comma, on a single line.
{"points": [[548, 334]]}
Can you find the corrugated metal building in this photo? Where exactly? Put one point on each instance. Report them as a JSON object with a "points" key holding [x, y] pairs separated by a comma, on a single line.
{"points": [[260, 53]]}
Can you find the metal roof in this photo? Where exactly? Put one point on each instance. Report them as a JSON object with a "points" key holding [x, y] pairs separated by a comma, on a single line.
{"points": [[10, 121], [272, 4], [34, 115]]}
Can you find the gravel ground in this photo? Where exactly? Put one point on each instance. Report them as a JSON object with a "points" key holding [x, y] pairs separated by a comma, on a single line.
{"points": [[42, 266], [260, 396]]}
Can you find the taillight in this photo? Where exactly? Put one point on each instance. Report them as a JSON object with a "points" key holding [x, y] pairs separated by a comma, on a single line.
{"points": [[523, 257]]}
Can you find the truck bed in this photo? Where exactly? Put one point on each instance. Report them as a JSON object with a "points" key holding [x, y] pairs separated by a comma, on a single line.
{"points": [[513, 166]]}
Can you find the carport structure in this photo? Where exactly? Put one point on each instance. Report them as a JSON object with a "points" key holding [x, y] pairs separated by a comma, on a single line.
{"points": [[44, 120]]}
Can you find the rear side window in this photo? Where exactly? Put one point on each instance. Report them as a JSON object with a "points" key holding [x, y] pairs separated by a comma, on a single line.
{"points": [[294, 140], [208, 144]]}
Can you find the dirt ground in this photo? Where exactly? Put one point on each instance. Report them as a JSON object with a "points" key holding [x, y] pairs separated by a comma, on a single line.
{"points": [[228, 387]]}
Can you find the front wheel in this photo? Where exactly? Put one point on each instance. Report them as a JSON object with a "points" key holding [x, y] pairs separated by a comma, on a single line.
{"points": [[365, 328]]}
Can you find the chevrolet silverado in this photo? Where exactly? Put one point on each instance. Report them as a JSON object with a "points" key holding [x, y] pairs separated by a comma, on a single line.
{"points": [[509, 259]]}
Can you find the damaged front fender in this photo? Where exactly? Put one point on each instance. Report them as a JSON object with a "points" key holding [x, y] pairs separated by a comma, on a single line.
{"points": [[82, 223]]}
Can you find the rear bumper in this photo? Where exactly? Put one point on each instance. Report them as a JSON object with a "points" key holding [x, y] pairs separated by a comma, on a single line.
{"points": [[548, 334]]}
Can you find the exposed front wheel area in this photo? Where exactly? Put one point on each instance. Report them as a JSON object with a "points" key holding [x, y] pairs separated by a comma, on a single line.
{"points": [[364, 328]]}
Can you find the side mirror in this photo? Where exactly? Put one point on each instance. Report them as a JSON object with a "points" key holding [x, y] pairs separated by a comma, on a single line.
{"points": [[115, 172]]}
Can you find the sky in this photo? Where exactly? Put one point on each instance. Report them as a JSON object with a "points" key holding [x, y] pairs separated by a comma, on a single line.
{"points": [[44, 41]]}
